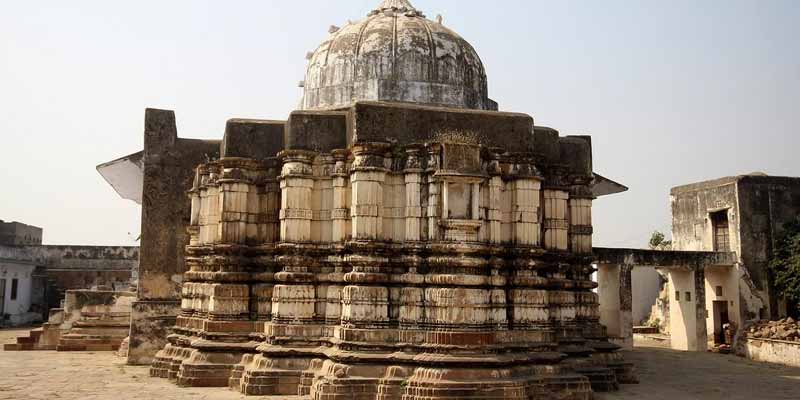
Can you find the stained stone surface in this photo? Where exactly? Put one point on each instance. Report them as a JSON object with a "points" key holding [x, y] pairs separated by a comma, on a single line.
{"points": [[395, 54], [420, 264]]}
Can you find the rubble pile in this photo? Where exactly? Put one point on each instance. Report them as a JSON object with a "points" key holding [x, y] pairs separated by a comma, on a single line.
{"points": [[786, 329]]}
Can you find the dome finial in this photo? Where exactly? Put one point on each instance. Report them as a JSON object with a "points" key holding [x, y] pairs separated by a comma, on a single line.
{"points": [[396, 5]]}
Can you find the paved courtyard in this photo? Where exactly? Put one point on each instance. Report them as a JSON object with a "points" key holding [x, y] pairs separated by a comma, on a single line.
{"points": [[665, 375]]}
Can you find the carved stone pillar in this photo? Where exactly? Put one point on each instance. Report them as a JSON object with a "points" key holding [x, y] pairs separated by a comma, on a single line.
{"points": [[367, 177], [208, 212], [491, 198], [556, 224], [296, 186], [233, 196], [269, 218], [580, 217], [413, 180], [322, 199], [434, 213], [341, 197], [525, 205]]}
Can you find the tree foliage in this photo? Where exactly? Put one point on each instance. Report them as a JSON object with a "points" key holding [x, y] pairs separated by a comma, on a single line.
{"points": [[659, 242], [785, 263]]}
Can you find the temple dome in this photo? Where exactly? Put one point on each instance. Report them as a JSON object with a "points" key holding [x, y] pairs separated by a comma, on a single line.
{"points": [[395, 54]]}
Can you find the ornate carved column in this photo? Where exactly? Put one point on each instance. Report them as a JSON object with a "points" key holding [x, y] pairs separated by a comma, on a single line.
{"points": [[367, 176], [556, 222], [294, 295], [494, 188], [322, 199], [413, 180], [296, 186], [434, 211], [580, 218], [365, 300], [525, 203], [341, 197]]}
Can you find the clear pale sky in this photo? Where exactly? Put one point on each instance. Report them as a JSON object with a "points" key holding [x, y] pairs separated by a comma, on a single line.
{"points": [[672, 92]]}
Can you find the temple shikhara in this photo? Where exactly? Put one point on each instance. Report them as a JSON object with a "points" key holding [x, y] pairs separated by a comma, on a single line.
{"points": [[396, 238]]}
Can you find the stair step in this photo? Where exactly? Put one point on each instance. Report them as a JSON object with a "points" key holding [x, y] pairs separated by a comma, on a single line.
{"points": [[18, 347], [25, 340], [11, 347]]}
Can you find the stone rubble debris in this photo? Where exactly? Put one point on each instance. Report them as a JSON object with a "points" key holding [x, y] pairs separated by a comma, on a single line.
{"points": [[785, 329]]}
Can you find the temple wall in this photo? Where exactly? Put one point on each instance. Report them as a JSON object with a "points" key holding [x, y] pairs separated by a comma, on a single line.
{"points": [[169, 163], [440, 239]]}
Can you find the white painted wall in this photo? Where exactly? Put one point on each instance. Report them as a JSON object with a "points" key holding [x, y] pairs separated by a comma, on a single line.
{"points": [[608, 290], [773, 351], [645, 285], [728, 279], [683, 314], [19, 307]]}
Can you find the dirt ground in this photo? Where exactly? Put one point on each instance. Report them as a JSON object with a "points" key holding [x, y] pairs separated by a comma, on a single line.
{"points": [[665, 375], [674, 375]]}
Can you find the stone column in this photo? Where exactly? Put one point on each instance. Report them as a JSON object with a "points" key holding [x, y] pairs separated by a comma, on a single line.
{"points": [[233, 199], [435, 209], [580, 220], [294, 294], [525, 211], [296, 186], [367, 177], [701, 313], [270, 205], [322, 199], [556, 225], [365, 301], [494, 215], [626, 306], [341, 203], [413, 180]]}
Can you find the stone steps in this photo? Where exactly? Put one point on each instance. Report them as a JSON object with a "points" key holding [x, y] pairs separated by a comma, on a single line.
{"points": [[83, 343], [26, 343]]}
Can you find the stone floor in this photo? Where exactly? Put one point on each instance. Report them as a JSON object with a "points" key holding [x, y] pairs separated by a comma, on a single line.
{"points": [[665, 375], [673, 375]]}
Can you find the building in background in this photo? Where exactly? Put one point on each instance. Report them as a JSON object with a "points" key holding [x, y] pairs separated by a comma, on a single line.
{"points": [[34, 277], [19, 234], [743, 214]]}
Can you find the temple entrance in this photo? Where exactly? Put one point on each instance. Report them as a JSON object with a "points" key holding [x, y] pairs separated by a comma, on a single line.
{"points": [[720, 320]]}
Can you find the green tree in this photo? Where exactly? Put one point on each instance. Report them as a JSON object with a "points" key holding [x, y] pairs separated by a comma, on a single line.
{"points": [[659, 242], [785, 263]]}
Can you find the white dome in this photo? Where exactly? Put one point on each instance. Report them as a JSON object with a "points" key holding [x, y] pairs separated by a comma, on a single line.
{"points": [[395, 54]]}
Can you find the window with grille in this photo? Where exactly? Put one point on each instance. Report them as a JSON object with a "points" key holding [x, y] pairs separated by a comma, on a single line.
{"points": [[722, 240]]}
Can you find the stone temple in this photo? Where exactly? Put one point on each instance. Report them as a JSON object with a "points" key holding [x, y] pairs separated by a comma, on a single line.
{"points": [[396, 238]]}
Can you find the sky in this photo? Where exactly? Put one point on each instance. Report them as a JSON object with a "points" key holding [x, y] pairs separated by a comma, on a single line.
{"points": [[672, 92]]}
